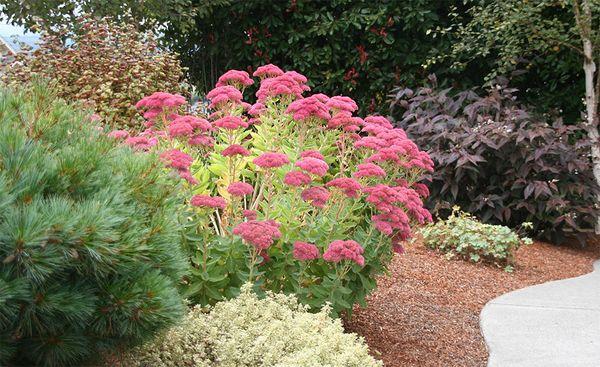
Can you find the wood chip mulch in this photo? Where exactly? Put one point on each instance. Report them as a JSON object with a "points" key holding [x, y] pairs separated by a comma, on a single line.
{"points": [[426, 312]]}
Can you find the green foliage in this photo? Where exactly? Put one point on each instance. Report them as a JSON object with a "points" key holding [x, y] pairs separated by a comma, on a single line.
{"points": [[149, 14], [463, 236], [252, 332], [358, 48], [89, 238], [106, 65], [540, 37]]}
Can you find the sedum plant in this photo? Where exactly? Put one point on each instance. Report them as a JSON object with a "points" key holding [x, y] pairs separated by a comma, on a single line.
{"points": [[295, 194], [105, 64], [247, 331], [463, 236], [90, 251]]}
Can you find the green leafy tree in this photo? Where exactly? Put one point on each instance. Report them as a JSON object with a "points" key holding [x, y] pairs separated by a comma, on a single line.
{"points": [[358, 48], [90, 251], [556, 36], [147, 13]]}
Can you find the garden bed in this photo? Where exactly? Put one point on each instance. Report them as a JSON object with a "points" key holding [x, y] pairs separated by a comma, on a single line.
{"points": [[426, 312]]}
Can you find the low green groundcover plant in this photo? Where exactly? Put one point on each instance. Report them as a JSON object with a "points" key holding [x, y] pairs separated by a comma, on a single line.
{"points": [[90, 246], [464, 236], [295, 194], [252, 332]]}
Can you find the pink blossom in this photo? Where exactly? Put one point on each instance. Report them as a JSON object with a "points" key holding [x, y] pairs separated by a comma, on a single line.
{"points": [[119, 134], [349, 186], [296, 178], [299, 78], [234, 77], [235, 149], [271, 160], [180, 128], [187, 175], [249, 214], [283, 85], [267, 71], [240, 189], [196, 123], [321, 97], [370, 142], [260, 234], [310, 107], [313, 165], [256, 109], [379, 121], [206, 201], [201, 140], [342, 103], [305, 251], [340, 250], [421, 189], [313, 154], [177, 159], [316, 195], [141, 142], [158, 102], [231, 123], [222, 95], [345, 121]]}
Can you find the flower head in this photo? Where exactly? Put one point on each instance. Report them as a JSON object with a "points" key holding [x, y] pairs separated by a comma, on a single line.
{"points": [[202, 140], [271, 160], [369, 170], [342, 103], [379, 121], [240, 189], [313, 154], [223, 95], [313, 165], [260, 234], [157, 102], [310, 107], [286, 84], [349, 186], [206, 201], [305, 251], [339, 250], [235, 149], [267, 71], [316, 195], [249, 214], [177, 159], [236, 78], [141, 142], [296, 178], [231, 123], [180, 128], [197, 123], [256, 109], [119, 134]]}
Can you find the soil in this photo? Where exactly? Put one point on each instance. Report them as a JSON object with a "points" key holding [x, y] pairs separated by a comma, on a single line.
{"points": [[426, 311]]}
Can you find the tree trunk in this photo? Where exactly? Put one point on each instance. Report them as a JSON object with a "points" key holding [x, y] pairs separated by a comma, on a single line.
{"points": [[584, 23]]}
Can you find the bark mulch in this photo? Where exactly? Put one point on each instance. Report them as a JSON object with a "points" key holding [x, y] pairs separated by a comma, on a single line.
{"points": [[426, 312]]}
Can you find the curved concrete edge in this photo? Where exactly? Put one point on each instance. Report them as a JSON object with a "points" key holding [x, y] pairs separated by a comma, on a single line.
{"points": [[550, 324]]}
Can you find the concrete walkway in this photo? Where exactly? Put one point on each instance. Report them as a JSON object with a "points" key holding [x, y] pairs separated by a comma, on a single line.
{"points": [[555, 324]]}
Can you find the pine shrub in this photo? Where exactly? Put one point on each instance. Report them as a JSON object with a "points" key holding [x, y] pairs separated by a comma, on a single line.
{"points": [[89, 244]]}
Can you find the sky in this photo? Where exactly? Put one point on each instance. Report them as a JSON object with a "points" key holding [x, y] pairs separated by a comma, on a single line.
{"points": [[7, 30]]}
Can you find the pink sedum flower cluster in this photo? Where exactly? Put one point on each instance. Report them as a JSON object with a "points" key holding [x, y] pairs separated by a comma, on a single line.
{"points": [[158, 102], [271, 160], [207, 201], [260, 234], [236, 78], [305, 251], [339, 250]]}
